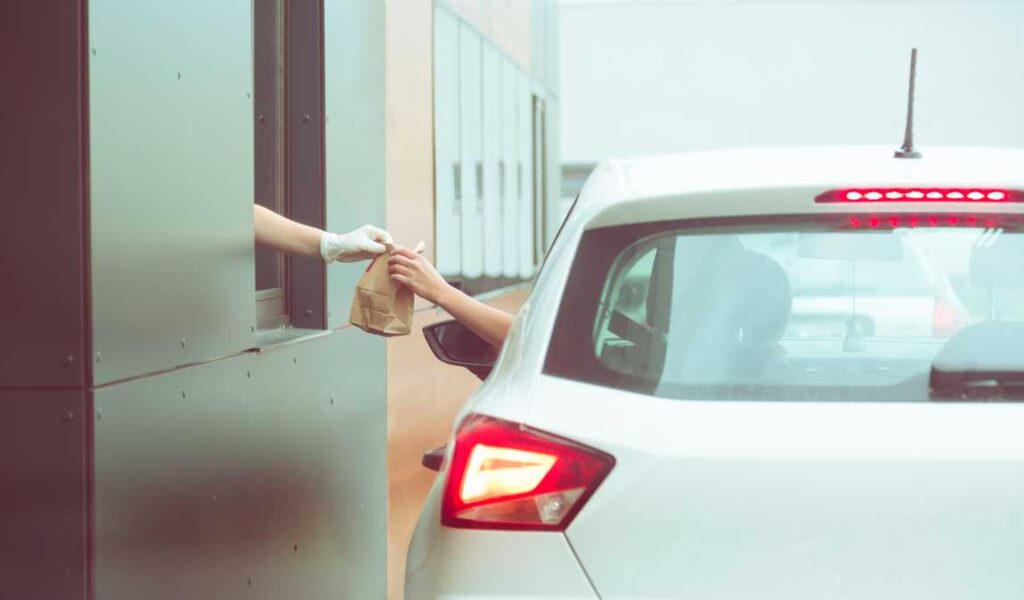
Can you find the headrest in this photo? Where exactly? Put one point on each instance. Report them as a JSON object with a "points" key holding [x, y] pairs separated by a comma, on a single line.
{"points": [[765, 299], [989, 345], [999, 265]]}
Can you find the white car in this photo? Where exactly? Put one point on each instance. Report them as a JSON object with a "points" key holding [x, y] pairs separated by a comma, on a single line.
{"points": [[656, 427]]}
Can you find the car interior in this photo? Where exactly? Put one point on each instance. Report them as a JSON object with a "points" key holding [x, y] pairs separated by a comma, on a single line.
{"points": [[731, 343]]}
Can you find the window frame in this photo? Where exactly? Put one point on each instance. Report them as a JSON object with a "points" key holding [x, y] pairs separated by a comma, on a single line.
{"points": [[297, 186]]}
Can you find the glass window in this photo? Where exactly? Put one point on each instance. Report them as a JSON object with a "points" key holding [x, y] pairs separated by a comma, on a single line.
{"points": [[269, 147], [791, 310]]}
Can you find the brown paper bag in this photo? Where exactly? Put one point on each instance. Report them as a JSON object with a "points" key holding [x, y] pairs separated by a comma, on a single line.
{"points": [[380, 305]]}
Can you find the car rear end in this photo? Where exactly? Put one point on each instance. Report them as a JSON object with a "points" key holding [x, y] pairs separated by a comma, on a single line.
{"points": [[666, 424]]}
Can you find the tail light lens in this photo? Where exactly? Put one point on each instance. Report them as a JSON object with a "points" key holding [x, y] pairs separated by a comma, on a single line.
{"points": [[945, 321], [506, 476], [920, 194]]}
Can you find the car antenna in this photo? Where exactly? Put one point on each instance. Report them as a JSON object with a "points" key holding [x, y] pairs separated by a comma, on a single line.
{"points": [[907, 150]]}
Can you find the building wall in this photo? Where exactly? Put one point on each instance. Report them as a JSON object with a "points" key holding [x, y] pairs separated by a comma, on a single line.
{"points": [[656, 77], [257, 476], [423, 394], [151, 441]]}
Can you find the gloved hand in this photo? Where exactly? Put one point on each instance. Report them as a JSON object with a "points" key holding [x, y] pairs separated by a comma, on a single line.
{"points": [[362, 244]]}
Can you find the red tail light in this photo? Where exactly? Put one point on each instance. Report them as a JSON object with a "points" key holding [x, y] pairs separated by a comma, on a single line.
{"points": [[920, 194], [505, 476], [945, 321]]}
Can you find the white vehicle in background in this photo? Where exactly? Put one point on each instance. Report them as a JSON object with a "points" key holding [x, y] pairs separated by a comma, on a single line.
{"points": [[662, 423], [905, 296]]}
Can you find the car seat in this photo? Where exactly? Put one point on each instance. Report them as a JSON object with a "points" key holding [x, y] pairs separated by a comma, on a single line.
{"points": [[728, 321], [761, 308]]}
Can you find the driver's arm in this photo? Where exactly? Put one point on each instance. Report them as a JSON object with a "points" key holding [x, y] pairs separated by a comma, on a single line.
{"points": [[414, 271]]}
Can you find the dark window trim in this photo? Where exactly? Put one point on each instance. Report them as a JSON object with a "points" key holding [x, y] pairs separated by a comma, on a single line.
{"points": [[304, 116]]}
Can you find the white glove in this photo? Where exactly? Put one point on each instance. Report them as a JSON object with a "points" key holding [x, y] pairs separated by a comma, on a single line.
{"points": [[361, 244]]}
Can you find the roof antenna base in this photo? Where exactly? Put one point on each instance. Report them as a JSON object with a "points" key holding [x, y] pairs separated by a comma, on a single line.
{"points": [[904, 153]]}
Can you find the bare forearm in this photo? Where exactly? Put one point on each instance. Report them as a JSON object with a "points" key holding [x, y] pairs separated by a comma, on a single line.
{"points": [[486, 321], [283, 234]]}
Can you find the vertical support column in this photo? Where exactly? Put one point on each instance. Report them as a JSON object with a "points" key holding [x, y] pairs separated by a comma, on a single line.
{"points": [[305, 132], [45, 408], [42, 195]]}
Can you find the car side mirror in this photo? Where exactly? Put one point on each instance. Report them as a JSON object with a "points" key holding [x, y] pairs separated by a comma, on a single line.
{"points": [[454, 344]]}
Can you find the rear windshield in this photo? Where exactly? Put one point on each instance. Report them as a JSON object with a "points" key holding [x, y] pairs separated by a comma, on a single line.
{"points": [[796, 309]]}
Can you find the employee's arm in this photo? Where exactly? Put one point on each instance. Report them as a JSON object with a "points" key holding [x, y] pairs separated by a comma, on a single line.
{"points": [[416, 272], [288, 236]]}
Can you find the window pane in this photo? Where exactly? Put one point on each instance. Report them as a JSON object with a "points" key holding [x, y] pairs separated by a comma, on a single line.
{"points": [[268, 105], [796, 311]]}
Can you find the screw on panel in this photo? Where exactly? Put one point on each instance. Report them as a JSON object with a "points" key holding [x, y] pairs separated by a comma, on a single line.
{"points": [[182, 393], [94, 50], [69, 360], [305, 118], [98, 356], [295, 547], [252, 328], [248, 95], [332, 400], [261, 118], [182, 342], [309, 312], [68, 417], [248, 374], [249, 581], [99, 414], [295, 360], [179, 74]]}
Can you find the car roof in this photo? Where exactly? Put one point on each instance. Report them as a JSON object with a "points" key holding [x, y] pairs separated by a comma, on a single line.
{"points": [[657, 179]]}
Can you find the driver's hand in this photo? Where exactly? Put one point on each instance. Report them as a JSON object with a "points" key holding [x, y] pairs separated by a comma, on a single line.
{"points": [[415, 272]]}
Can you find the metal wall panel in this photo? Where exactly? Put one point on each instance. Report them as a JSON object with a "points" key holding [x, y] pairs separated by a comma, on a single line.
{"points": [[171, 183], [510, 157], [526, 188], [42, 204], [493, 171], [447, 165], [355, 159], [470, 131], [43, 508], [259, 476]]}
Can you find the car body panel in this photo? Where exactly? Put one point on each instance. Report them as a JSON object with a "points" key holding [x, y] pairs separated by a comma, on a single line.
{"points": [[749, 499], [470, 564], [795, 500]]}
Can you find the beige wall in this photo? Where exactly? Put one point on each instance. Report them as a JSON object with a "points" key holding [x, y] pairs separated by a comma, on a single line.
{"points": [[423, 394], [409, 133], [505, 22]]}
